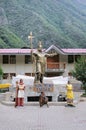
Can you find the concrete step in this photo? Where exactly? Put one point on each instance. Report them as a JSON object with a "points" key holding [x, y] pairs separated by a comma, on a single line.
{"points": [[9, 103]]}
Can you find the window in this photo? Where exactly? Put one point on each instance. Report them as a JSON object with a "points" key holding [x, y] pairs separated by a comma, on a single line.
{"points": [[29, 74], [12, 59], [77, 57], [8, 75], [5, 75], [9, 59], [12, 74], [27, 59], [5, 59], [70, 58]]}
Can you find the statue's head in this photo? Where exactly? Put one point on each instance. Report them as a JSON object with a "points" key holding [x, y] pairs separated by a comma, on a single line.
{"points": [[39, 46]]}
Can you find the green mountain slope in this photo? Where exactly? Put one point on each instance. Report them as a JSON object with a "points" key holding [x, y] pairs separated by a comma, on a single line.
{"points": [[59, 22], [9, 40]]}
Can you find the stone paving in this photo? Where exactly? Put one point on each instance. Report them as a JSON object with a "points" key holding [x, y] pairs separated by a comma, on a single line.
{"points": [[36, 118]]}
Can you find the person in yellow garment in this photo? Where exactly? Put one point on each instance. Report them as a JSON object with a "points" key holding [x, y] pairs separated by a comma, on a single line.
{"points": [[69, 94]]}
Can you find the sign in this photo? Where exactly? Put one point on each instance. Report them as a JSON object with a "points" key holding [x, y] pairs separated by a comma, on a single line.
{"points": [[43, 87]]}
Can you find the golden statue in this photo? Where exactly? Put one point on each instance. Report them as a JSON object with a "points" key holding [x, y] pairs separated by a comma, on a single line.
{"points": [[39, 58]]}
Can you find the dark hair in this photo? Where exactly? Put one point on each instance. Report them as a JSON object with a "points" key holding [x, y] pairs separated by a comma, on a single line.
{"points": [[21, 79], [68, 82]]}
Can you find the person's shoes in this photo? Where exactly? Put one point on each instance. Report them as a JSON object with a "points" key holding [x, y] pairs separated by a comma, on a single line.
{"points": [[21, 105], [47, 105], [41, 105], [15, 106], [69, 105]]}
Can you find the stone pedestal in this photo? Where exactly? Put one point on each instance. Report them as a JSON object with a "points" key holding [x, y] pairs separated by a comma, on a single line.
{"points": [[8, 96]]}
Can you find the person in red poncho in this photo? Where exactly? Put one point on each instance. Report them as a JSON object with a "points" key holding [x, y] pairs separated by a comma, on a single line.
{"points": [[20, 88]]}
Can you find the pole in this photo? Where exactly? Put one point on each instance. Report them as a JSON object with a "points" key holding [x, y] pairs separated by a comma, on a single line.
{"points": [[31, 46]]}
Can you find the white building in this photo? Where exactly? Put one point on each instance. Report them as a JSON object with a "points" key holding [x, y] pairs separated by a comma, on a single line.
{"points": [[18, 61]]}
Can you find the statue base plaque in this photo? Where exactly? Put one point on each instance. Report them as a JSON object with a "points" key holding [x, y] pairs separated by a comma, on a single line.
{"points": [[41, 87]]}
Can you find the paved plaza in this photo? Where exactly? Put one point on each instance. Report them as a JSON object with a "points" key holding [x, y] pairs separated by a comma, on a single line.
{"points": [[36, 118]]}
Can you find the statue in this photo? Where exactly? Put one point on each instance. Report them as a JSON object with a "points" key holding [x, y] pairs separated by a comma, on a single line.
{"points": [[39, 58]]}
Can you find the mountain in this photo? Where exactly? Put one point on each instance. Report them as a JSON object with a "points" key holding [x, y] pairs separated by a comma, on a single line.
{"points": [[9, 39], [58, 22]]}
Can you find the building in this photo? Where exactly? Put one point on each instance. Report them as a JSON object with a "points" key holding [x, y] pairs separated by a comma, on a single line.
{"points": [[18, 61]]}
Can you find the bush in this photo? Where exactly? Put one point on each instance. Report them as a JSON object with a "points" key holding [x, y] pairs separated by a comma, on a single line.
{"points": [[80, 71]]}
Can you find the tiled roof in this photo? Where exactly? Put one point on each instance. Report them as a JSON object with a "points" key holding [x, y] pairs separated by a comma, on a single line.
{"points": [[27, 51], [67, 51], [75, 51], [16, 51]]}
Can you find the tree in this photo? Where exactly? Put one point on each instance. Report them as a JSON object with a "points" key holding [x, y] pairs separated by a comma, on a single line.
{"points": [[80, 70], [1, 73]]}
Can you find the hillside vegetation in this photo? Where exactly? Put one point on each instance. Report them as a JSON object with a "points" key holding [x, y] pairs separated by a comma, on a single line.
{"points": [[58, 22], [9, 40]]}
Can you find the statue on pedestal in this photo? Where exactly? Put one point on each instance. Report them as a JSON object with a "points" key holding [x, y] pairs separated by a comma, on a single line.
{"points": [[39, 59]]}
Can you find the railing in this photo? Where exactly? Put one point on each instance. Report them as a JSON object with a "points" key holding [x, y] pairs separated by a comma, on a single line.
{"points": [[56, 65]]}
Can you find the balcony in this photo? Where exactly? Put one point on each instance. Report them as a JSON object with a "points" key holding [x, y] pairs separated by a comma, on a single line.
{"points": [[55, 67]]}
